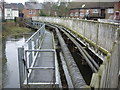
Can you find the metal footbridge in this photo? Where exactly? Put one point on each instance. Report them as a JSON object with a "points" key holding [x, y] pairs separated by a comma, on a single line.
{"points": [[38, 67]]}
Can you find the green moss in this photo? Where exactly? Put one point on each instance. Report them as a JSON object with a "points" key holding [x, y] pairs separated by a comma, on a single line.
{"points": [[9, 28], [87, 87], [89, 41], [82, 37], [108, 57]]}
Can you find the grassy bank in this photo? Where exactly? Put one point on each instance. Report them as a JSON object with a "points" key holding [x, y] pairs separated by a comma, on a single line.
{"points": [[9, 28]]}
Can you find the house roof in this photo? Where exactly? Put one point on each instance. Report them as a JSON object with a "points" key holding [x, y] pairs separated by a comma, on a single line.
{"points": [[33, 5], [20, 6], [13, 6], [7, 5], [90, 5]]}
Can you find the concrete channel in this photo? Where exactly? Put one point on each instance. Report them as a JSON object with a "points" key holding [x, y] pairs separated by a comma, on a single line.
{"points": [[100, 40], [46, 70], [68, 56]]}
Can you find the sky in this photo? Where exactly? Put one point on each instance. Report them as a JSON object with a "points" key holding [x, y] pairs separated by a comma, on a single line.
{"points": [[23, 1]]}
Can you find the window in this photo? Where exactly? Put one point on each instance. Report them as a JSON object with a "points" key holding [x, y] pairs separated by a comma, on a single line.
{"points": [[30, 11], [81, 14], [110, 10], [8, 15], [71, 14], [76, 13], [87, 12], [95, 11], [34, 12], [8, 10]]}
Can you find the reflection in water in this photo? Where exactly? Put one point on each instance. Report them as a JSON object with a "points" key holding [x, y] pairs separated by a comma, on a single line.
{"points": [[10, 68]]}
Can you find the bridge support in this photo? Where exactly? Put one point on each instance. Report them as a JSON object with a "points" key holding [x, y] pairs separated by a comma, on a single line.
{"points": [[21, 66]]}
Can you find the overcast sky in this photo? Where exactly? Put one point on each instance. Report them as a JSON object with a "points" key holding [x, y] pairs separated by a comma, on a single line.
{"points": [[19, 1], [22, 1]]}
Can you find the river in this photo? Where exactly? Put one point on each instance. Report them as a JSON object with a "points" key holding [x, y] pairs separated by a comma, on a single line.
{"points": [[10, 73]]}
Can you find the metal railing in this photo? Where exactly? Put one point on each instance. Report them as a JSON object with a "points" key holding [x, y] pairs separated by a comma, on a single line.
{"points": [[32, 67], [28, 53]]}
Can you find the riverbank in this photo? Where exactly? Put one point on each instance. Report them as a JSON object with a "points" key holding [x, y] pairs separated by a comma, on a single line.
{"points": [[10, 28], [8, 56]]}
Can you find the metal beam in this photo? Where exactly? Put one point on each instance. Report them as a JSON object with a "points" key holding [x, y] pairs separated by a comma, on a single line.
{"points": [[21, 65], [41, 68], [41, 50]]}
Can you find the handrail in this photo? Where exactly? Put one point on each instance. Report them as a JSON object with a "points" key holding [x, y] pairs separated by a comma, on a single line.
{"points": [[32, 43], [34, 34]]}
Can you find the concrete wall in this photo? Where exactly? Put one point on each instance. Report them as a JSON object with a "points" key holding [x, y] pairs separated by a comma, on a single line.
{"points": [[104, 35], [108, 74]]}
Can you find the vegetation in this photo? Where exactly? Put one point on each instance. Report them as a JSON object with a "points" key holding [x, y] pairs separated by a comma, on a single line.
{"points": [[42, 13], [10, 28], [56, 9], [61, 9]]}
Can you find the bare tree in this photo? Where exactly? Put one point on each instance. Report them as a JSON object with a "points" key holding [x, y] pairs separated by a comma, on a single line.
{"points": [[2, 6]]}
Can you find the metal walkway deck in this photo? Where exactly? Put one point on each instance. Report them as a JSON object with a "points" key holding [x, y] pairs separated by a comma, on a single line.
{"points": [[44, 59], [39, 68]]}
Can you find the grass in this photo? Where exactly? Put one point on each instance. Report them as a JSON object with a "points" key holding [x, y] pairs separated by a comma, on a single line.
{"points": [[9, 28]]}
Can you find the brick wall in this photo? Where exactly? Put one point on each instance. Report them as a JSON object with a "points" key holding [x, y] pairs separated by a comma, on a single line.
{"points": [[83, 12], [29, 13], [117, 6]]}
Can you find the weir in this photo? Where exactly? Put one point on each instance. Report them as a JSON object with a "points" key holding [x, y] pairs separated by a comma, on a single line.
{"points": [[38, 63]]}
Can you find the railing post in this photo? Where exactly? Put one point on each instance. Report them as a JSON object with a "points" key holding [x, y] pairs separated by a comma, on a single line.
{"points": [[21, 65], [30, 55]]}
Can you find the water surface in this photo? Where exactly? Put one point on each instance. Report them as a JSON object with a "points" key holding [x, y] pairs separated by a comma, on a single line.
{"points": [[10, 62]]}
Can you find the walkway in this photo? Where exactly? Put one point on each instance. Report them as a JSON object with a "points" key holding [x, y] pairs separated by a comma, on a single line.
{"points": [[44, 59], [39, 68]]}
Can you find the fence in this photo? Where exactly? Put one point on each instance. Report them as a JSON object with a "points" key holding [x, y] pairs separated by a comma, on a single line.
{"points": [[26, 57]]}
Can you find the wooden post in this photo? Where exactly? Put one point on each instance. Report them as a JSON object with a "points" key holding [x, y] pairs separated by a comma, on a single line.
{"points": [[21, 65]]}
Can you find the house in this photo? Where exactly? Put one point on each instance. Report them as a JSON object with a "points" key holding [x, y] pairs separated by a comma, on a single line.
{"points": [[117, 6], [32, 9], [21, 7], [11, 11], [92, 9]]}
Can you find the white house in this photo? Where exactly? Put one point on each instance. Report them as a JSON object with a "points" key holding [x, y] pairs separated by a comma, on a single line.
{"points": [[11, 11]]}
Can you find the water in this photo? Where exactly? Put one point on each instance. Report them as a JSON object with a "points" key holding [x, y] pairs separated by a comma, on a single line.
{"points": [[10, 65]]}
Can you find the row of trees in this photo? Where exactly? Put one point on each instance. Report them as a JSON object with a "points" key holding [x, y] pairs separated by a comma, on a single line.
{"points": [[55, 9]]}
